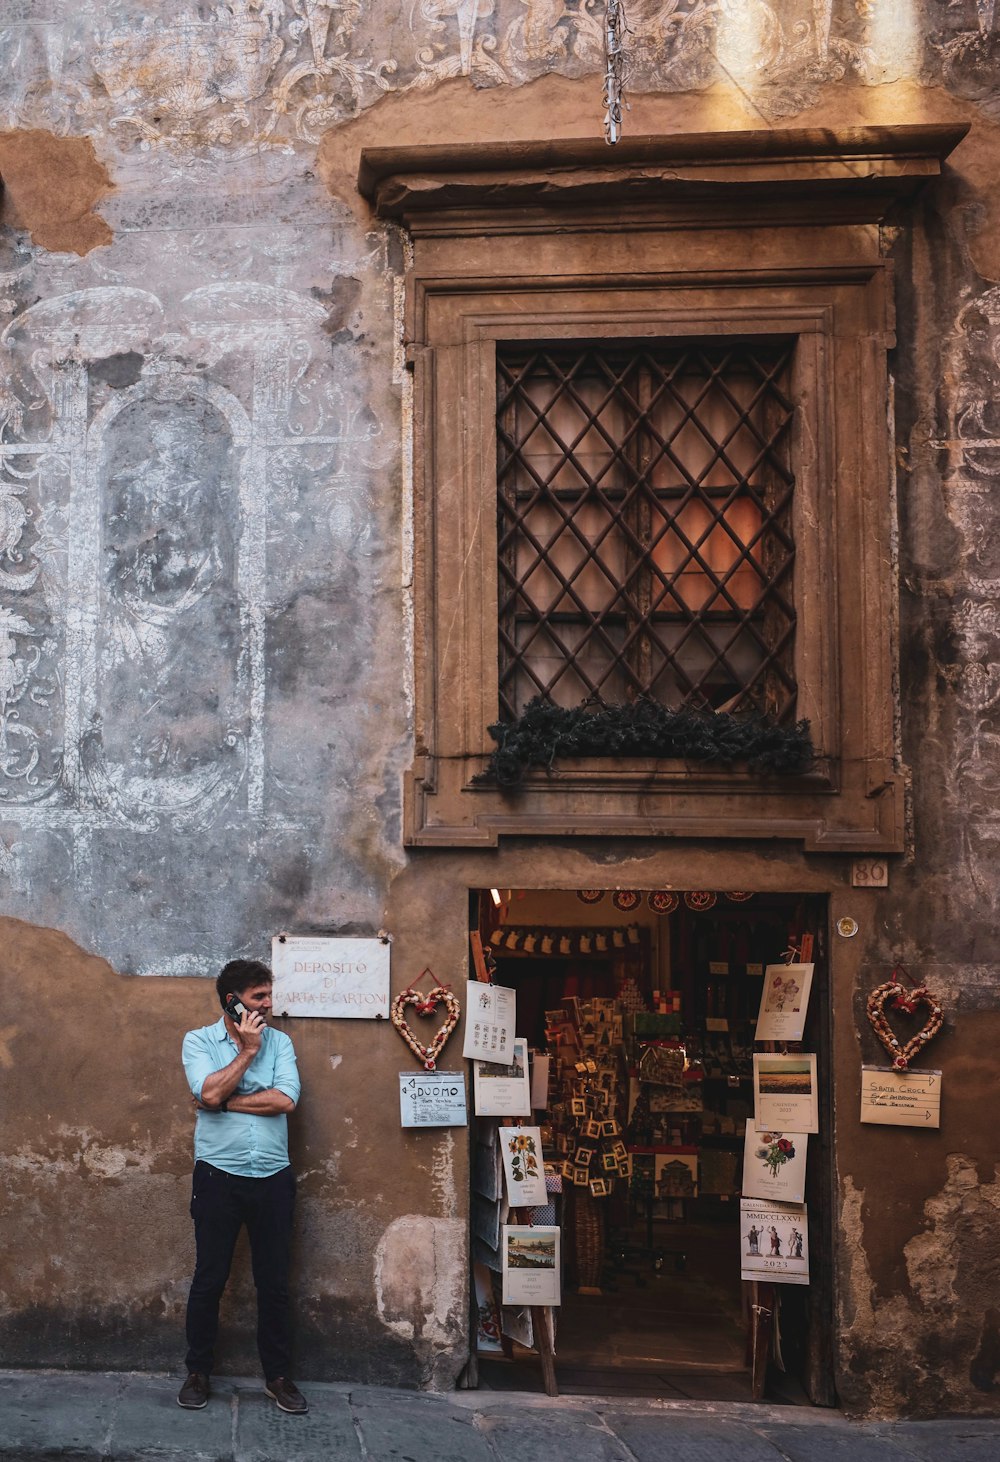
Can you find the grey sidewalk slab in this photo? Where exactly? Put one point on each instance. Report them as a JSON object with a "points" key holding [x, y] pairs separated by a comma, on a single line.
{"points": [[675, 1436], [325, 1434], [848, 1443], [418, 1429], [523, 1436], [67, 1414], [961, 1441], [149, 1423]]}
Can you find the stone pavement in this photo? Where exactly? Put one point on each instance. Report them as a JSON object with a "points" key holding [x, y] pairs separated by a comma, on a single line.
{"points": [[46, 1415]]}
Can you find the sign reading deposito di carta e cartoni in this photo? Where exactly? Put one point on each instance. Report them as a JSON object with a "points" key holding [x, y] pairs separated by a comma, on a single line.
{"points": [[342, 978]]}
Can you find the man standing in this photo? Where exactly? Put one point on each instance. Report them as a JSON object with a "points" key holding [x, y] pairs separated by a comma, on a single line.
{"points": [[244, 1082]]}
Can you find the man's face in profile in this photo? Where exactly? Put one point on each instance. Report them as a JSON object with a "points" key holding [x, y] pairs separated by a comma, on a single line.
{"points": [[257, 999]]}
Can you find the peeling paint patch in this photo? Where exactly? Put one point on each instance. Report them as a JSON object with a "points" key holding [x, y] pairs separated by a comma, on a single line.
{"points": [[443, 1175], [89, 1156], [7, 1036], [908, 1354], [986, 1362], [420, 1285], [963, 1216], [51, 185]]}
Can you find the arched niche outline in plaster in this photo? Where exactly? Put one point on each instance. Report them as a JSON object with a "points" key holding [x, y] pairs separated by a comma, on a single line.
{"points": [[169, 557]]}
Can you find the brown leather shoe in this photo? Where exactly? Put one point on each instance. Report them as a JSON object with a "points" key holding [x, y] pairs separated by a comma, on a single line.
{"points": [[287, 1395], [194, 1393]]}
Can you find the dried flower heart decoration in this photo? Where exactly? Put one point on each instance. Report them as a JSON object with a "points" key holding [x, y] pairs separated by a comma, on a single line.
{"points": [[897, 997], [426, 1004]]}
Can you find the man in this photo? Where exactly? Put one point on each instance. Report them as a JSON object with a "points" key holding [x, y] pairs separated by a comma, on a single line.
{"points": [[244, 1081]]}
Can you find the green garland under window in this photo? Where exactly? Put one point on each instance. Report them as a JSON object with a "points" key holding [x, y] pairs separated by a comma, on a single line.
{"points": [[544, 733]]}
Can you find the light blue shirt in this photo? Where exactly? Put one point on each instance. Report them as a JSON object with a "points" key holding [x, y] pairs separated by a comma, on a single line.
{"points": [[243, 1143]]}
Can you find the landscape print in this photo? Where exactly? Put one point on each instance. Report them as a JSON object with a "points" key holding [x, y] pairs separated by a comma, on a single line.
{"points": [[786, 1076], [531, 1264], [532, 1253], [784, 1090]]}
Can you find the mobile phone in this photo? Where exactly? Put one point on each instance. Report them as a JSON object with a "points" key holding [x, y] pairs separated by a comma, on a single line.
{"points": [[235, 1008]]}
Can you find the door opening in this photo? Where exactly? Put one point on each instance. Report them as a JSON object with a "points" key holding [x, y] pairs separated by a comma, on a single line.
{"points": [[645, 1006]]}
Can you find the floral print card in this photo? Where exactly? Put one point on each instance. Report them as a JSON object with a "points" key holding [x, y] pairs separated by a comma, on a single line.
{"points": [[774, 1165], [522, 1166], [783, 1002]]}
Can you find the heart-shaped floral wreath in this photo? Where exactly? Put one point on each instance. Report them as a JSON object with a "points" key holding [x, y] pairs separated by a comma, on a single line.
{"points": [[426, 1005], [900, 998]]}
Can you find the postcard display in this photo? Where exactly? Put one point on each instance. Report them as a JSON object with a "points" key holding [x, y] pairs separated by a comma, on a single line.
{"points": [[638, 1105], [658, 1104], [516, 1241], [774, 1242]]}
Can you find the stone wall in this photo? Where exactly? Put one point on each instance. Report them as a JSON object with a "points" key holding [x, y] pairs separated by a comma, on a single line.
{"points": [[205, 548]]}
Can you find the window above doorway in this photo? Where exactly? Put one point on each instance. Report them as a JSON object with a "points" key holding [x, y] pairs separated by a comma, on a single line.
{"points": [[644, 537], [652, 462]]}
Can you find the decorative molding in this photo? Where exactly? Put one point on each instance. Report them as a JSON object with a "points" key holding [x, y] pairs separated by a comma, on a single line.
{"points": [[855, 175]]}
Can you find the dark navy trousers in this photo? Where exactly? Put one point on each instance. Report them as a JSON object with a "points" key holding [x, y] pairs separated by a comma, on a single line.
{"points": [[221, 1203]]}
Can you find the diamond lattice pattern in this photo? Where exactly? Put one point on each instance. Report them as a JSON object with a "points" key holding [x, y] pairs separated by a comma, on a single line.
{"points": [[644, 531]]}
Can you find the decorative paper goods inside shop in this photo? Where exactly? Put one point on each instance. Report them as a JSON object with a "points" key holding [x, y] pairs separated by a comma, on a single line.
{"points": [[643, 1126], [339, 978]]}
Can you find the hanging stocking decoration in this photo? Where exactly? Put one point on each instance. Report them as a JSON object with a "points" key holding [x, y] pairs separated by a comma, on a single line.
{"points": [[426, 1005], [897, 997]]}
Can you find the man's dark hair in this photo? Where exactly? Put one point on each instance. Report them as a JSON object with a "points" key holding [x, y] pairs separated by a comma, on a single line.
{"points": [[238, 975]]}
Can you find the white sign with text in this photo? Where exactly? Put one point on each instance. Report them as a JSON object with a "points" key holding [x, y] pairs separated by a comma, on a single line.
{"points": [[432, 1099], [900, 1098], [342, 979]]}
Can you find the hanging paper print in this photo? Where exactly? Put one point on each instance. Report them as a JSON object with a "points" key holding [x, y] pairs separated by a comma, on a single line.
{"points": [[521, 1149]]}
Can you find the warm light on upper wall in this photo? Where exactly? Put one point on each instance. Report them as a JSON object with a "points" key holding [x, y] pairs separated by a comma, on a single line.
{"points": [[893, 39], [741, 45], [751, 42]]}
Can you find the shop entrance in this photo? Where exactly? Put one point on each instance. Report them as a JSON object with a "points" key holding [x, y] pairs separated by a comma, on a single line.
{"points": [[643, 1005]]}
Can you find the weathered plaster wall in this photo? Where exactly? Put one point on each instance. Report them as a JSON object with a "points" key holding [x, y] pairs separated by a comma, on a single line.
{"points": [[204, 709], [95, 1182]]}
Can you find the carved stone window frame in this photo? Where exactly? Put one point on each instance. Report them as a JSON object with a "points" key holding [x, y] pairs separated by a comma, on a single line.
{"points": [[744, 235]]}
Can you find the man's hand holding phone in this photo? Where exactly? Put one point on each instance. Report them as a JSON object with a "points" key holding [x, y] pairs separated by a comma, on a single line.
{"points": [[249, 1025]]}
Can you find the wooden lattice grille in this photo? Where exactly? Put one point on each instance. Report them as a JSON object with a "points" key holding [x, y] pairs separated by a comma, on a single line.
{"points": [[644, 524]]}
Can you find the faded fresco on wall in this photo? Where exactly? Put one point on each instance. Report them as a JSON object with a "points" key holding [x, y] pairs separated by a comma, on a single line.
{"points": [[169, 478], [168, 575], [257, 73], [967, 644]]}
